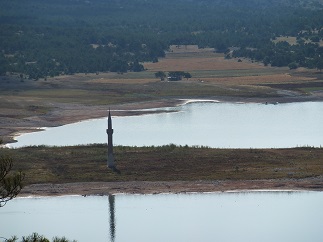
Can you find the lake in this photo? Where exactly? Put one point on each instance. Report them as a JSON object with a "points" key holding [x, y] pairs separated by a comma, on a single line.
{"points": [[224, 217], [218, 125]]}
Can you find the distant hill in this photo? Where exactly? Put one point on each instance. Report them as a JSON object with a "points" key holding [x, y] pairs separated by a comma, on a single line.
{"points": [[53, 37]]}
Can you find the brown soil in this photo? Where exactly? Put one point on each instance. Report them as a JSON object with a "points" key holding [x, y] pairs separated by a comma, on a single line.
{"points": [[259, 80], [174, 62], [144, 187]]}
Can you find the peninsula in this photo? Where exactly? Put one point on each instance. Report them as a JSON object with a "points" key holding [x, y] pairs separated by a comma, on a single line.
{"points": [[82, 170]]}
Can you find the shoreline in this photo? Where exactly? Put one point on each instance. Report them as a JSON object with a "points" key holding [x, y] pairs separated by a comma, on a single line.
{"points": [[184, 193], [140, 108], [65, 113], [172, 187]]}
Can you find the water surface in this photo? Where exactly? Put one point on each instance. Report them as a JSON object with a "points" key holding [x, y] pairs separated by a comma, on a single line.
{"points": [[218, 125], [223, 217]]}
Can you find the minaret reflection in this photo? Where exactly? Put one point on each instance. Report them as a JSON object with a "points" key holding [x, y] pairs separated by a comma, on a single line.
{"points": [[112, 217]]}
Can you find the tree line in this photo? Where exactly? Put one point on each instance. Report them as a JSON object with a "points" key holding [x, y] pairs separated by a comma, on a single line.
{"points": [[54, 37]]}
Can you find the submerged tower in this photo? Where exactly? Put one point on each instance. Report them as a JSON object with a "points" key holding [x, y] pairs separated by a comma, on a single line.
{"points": [[110, 145]]}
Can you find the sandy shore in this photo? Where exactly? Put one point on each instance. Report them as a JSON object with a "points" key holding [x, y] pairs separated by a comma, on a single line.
{"points": [[145, 187]]}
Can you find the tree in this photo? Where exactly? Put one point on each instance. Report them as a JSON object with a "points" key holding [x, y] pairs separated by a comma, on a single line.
{"points": [[10, 184], [3, 65], [187, 75], [136, 66], [161, 75], [292, 65], [78, 43], [34, 237], [120, 66], [319, 64], [178, 75]]}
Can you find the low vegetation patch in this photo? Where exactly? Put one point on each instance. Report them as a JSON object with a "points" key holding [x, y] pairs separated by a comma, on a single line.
{"points": [[164, 163]]}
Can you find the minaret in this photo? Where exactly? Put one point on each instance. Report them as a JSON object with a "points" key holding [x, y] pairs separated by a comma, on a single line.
{"points": [[110, 145]]}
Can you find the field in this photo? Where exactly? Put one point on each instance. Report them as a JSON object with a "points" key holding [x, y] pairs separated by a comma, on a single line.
{"points": [[193, 59], [298, 168]]}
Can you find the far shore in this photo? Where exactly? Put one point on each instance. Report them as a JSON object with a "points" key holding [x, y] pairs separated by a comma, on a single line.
{"points": [[70, 113]]}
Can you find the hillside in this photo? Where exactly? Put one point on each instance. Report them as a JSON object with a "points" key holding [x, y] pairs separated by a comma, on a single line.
{"points": [[41, 39]]}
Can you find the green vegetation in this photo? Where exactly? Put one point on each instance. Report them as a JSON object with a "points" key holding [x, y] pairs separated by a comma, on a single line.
{"points": [[173, 75], [39, 39], [165, 163], [178, 75], [10, 184], [161, 75], [37, 238]]}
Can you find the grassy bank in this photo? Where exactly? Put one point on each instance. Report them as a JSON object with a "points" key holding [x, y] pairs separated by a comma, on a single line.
{"points": [[165, 163]]}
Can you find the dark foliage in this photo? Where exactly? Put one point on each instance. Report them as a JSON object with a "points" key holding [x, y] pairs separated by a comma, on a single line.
{"points": [[35, 237], [178, 75], [53, 37], [10, 184]]}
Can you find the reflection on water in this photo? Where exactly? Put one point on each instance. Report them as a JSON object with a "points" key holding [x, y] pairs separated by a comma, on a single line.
{"points": [[112, 217], [224, 217]]}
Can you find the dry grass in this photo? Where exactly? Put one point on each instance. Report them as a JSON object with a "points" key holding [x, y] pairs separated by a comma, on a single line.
{"points": [[289, 39], [191, 58], [166, 163], [123, 81], [188, 49], [194, 63], [255, 80]]}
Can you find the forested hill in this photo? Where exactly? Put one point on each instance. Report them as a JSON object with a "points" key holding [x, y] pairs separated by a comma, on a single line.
{"points": [[40, 38]]}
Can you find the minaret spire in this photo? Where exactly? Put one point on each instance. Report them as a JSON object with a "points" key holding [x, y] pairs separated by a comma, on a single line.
{"points": [[110, 144]]}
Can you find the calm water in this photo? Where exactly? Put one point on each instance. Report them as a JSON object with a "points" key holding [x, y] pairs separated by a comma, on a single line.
{"points": [[219, 125], [223, 217]]}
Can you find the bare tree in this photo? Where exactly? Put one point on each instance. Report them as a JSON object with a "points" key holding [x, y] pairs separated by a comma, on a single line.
{"points": [[10, 183]]}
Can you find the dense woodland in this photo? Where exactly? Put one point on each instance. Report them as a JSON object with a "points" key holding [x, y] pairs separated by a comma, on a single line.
{"points": [[40, 38]]}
